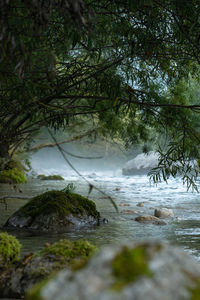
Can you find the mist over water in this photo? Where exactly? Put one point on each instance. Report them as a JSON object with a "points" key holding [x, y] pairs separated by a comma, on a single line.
{"points": [[183, 229]]}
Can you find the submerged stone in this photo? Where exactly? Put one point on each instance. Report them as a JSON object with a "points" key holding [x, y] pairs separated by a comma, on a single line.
{"points": [[55, 211]]}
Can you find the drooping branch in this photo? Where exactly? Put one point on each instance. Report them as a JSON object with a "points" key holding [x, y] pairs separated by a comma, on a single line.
{"points": [[91, 186], [50, 145]]}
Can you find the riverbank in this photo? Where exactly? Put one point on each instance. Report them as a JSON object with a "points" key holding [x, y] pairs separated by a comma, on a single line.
{"points": [[183, 229]]}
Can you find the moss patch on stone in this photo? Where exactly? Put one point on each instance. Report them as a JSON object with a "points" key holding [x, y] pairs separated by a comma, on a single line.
{"points": [[129, 265], [9, 249], [72, 251], [50, 177], [60, 203], [74, 254], [35, 291]]}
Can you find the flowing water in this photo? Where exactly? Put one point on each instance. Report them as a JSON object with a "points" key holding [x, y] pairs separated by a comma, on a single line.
{"points": [[183, 229]]}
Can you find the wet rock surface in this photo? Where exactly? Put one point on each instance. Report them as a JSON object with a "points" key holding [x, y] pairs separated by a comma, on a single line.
{"points": [[55, 211], [17, 279], [139, 271]]}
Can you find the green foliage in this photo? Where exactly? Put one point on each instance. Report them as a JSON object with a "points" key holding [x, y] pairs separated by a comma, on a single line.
{"points": [[59, 202], [50, 177], [129, 265], [12, 176], [9, 249], [13, 172], [172, 164], [179, 154], [111, 61], [70, 188]]}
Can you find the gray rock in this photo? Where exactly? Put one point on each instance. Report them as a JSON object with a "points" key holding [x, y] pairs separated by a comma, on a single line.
{"points": [[173, 275], [51, 222], [16, 280], [141, 164], [163, 213]]}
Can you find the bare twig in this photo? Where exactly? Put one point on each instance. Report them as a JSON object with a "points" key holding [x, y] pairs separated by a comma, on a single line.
{"points": [[3, 199], [91, 186], [74, 138]]}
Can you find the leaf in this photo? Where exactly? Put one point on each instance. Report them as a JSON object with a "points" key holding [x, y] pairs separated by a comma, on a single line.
{"points": [[115, 102]]}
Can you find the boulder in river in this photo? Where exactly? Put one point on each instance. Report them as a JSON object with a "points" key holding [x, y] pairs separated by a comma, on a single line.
{"points": [[148, 270], [163, 213], [17, 280], [149, 219], [55, 211], [141, 164]]}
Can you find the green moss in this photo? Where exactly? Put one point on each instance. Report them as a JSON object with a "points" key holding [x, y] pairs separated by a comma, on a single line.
{"points": [[50, 177], [128, 265], [65, 249], [59, 202], [75, 254], [195, 292], [35, 291], [9, 248], [12, 176]]}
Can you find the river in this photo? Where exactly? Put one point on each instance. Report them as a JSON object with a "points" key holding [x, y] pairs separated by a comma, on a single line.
{"points": [[183, 229]]}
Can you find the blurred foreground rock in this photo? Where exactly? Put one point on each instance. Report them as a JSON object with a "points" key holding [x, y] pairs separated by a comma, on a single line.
{"points": [[142, 271]]}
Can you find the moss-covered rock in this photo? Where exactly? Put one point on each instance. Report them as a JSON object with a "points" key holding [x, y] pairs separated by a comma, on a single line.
{"points": [[37, 268], [55, 210], [50, 177], [76, 252], [9, 249], [13, 173]]}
